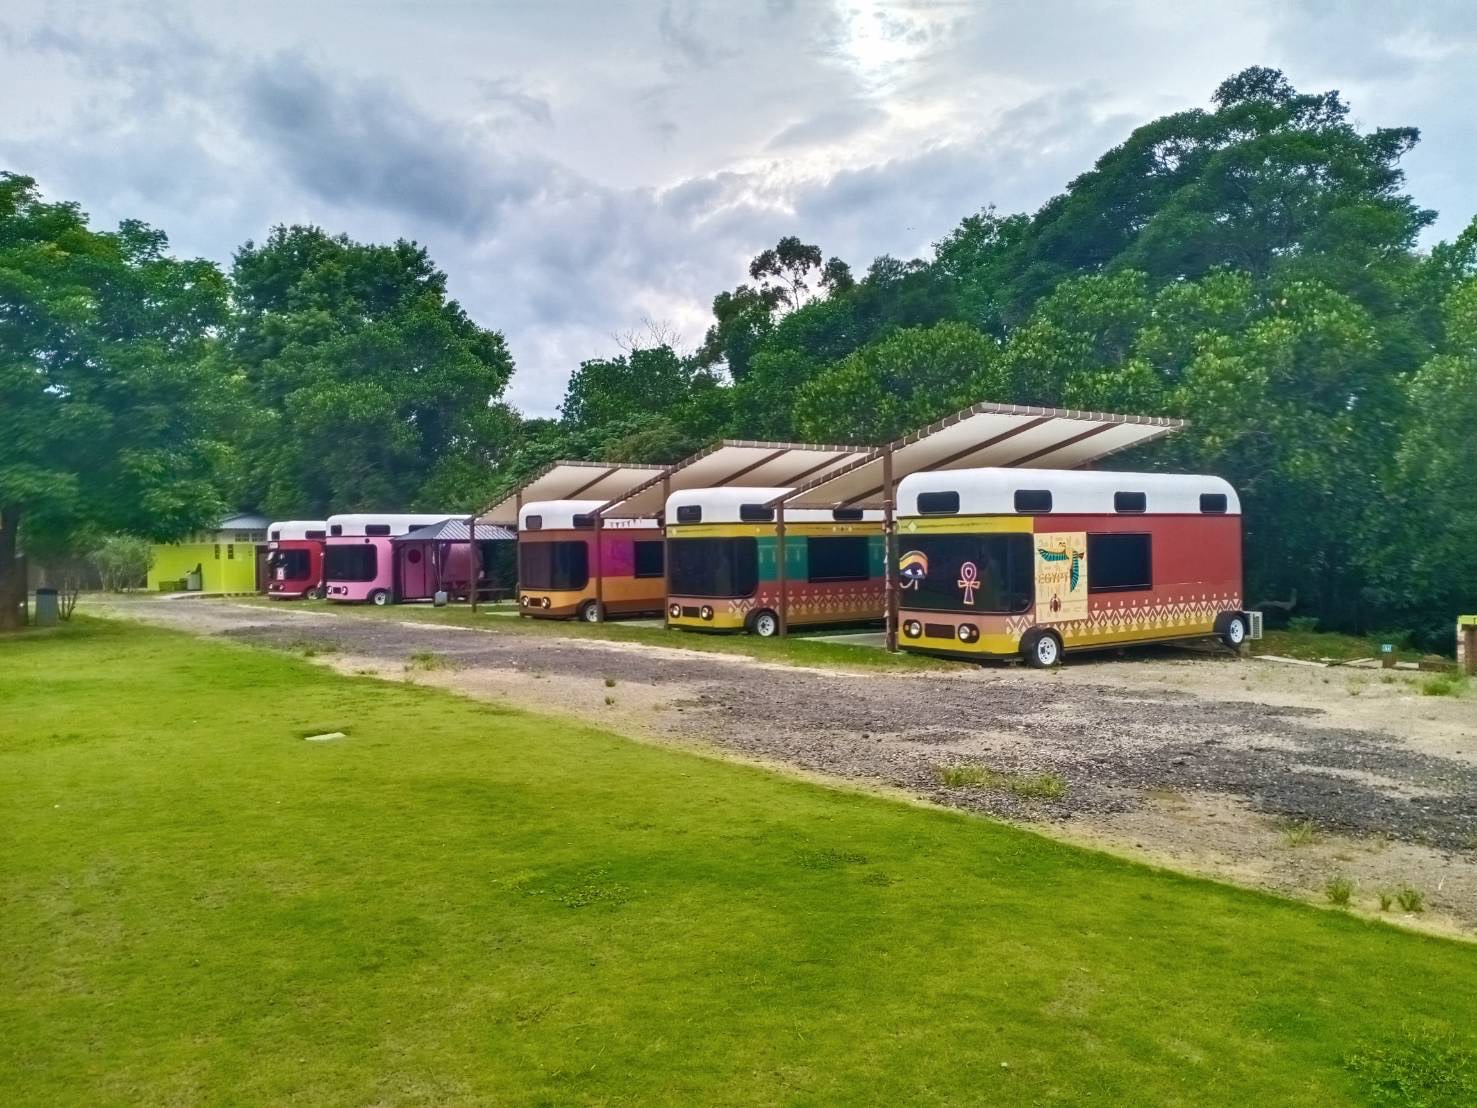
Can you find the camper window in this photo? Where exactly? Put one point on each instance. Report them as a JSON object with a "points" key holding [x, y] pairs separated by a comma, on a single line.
{"points": [[553, 565], [689, 513], [346, 562], [755, 513], [380, 529], [1130, 502], [1213, 503], [1119, 563], [990, 574], [293, 563], [648, 558], [1033, 501], [938, 503], [713, 567], [838, 559]]}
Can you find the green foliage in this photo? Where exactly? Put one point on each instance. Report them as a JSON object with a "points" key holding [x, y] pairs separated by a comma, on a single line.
{"points": [[1339, 889], [370, 387], [122, 561], [1420, 1066]]}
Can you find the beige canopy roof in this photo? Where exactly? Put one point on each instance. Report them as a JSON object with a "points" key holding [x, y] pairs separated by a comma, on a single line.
{"points": [[735, 464], [570, 481], [983, 435]]}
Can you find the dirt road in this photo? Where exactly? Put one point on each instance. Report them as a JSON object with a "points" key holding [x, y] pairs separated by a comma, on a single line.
{"points": [[1278, 777]]}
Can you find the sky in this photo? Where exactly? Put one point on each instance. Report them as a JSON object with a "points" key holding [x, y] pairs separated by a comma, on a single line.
{"points": [[584, 170]]}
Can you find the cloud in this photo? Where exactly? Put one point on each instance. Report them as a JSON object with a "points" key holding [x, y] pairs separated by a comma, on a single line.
{"points": [[828, 126], [505, 92]]}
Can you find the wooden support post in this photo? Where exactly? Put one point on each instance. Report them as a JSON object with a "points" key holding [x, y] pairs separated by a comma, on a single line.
{"points": [[599, 569], [1467, 625], [779, 550], [475, 560], [666, 588], [889, 548]]}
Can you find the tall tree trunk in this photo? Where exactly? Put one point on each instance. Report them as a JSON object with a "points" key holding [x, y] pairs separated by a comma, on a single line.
{"points": [[12, 583]]}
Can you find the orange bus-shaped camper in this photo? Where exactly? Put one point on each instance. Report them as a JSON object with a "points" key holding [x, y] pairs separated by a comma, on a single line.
{"points": [[1002, 562], [558, 562]]}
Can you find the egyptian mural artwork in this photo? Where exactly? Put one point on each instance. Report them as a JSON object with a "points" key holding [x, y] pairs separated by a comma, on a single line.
{"points": [[1061, 575]]}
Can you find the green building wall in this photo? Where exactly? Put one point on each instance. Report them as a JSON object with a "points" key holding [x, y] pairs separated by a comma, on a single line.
{"points": [[224, 567]]}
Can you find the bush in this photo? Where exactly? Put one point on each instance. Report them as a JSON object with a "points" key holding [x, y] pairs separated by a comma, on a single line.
{"points": [[122, 561]]}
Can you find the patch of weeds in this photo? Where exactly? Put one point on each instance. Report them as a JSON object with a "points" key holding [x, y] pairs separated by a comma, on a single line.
{"points": [[610, 682], [1444, 684], [311, 648], [1386, 899], [829, 859], [1411, 900], [1030, 786], [878, 879], [1339, 890], [427, 660], [1300, 833], [609, 701], [594, 887], [1421, 1067]]}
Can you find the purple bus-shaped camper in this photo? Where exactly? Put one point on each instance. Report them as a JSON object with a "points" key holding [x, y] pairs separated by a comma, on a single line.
{"points": [[358, 560]]}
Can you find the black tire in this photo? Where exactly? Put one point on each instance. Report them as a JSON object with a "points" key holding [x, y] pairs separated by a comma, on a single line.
{"points": [[1042, 649], [1232, 629], [764, 623], [317, 594], [380, 598], [590, 611]]}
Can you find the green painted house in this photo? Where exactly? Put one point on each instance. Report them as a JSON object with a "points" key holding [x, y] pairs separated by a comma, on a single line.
{"points": [[227, 559]]}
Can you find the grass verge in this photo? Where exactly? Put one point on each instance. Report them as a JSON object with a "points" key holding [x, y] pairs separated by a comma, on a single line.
{"points": [[458, 903]]}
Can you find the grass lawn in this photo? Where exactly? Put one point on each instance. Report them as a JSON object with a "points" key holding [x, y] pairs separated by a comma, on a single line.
{"points": [[459, 903]]}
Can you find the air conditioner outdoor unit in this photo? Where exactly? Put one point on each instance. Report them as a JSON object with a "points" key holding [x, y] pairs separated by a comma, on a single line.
{"points": [[1254, 621]]}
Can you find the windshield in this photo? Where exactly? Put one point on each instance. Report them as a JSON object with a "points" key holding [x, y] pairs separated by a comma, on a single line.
{"points": [[350, 563], [713, 567], [289, 565], [965, 573], [553, 565]]}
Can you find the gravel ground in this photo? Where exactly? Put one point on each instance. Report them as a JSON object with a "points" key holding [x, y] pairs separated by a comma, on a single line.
{"points": [[1119, 734]]}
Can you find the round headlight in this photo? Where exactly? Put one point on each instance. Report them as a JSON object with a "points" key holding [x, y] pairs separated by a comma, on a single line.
{"points": [[523, 600], [913, 629], [705, 612], [968, 632], [544, 602], [675, 610]]}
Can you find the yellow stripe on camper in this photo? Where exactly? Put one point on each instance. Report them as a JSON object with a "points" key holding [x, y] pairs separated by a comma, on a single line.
{"points": [[966, 525]]}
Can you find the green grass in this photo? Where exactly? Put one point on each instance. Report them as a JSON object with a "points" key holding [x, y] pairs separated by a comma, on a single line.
{"points": [[1035, 786], [1318, 646], [800, 649], [459, 903], [1445, 684]]}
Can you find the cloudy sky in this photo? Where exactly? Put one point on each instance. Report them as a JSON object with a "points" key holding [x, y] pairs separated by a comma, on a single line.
{"points": [[579, 167]]}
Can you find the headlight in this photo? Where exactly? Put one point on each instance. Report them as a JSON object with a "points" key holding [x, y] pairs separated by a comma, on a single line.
{"points": [[968, 632], [523, 600], [544, 603], [675, 611], [913, 629], [706, 612]]}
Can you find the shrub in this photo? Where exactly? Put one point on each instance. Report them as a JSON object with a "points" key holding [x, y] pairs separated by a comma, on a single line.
{"points": [[1339, 890], [1411, 900], [122, 561]]}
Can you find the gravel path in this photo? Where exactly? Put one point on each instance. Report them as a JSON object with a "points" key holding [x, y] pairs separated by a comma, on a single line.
{"points": [[1111, 744]]}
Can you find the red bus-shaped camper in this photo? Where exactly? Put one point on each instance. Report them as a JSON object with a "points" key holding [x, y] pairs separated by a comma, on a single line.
{"points": [[295, 558]]}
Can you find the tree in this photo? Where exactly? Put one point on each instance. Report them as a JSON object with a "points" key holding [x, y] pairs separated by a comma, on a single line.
{"points": [[372, 387], [122, 561], [784, 271], [111, 406]]}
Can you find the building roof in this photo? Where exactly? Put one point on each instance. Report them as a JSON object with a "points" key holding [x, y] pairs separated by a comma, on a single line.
{"points": [[984, 435], [736, 463], [457, 530], [572, 480], [243, 521], [1073, 491]]}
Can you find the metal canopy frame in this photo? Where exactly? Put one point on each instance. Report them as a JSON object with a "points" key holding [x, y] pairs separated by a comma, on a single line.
{"points": [[982, 435], [570, 480]]}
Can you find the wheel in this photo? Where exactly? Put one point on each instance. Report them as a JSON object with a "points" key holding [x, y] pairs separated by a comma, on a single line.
{"points": [[1042, 650], [317, 594], [590, 611], [380, 597], [765, 624], [1233, 630]]}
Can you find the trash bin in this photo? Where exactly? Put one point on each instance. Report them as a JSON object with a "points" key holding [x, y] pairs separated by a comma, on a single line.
{"points": [[192, 580], [48, 612]]}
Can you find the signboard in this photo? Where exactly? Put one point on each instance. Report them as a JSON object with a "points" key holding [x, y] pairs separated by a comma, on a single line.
{"points": [[1061, 576]]}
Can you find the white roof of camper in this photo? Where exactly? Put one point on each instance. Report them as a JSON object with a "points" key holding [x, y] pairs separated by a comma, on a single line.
{"points": [[723, 505], [353, 525], [739, 464], [558, 515], [1073, 491], [1004, 435], [570, 481], [296, 528]]}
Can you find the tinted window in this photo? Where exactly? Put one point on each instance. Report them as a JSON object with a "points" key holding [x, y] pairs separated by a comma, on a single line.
{"points": [[1119, 563], [336, 529], [847, 515], [755, 513], [838, 559], [346, 562], [1213, 503], [533, 523], [649, 558], [276, 535], [1033, 501], [582, 520], [553, 565], [713, 567], [1130, 502], [689, 513], [965, 573], [294, 564], [314, 534], [938, 503], [376, 529]]}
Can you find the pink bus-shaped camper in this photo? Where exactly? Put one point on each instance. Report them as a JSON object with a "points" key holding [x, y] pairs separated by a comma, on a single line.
{"points": [[358, 558], [295, 558]]}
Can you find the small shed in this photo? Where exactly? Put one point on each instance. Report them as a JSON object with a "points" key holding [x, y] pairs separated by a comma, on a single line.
{"points": [[438, 557], [230, 558]]}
